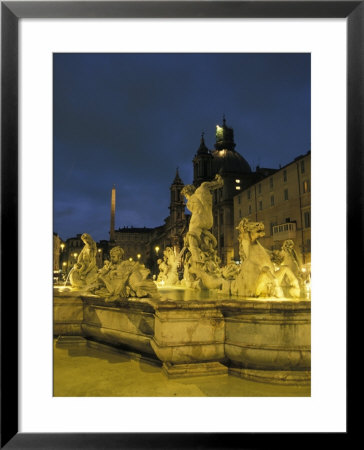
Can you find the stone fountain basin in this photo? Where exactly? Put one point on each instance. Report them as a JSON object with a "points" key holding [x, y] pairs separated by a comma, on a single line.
{"points": [[197, 332]]}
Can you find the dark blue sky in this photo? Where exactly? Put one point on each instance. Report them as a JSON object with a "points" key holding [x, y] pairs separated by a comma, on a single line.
{"points": [[131, 119]]}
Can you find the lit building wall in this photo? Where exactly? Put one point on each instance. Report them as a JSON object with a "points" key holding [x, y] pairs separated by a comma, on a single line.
{"points": [[134, 242], [282, 201]]}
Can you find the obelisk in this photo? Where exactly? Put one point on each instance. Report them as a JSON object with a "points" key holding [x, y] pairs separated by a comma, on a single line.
{"points": [[112, 220]]}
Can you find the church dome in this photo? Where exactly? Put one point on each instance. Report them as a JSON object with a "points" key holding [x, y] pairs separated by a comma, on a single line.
{"points": [[225, 158], [225, 161]]}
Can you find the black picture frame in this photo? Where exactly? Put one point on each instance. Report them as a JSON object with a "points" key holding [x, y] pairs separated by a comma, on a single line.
{"points": [[11, 12]]}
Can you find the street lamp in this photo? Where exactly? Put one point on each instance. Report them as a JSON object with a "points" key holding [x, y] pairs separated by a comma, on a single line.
{"points": [[62, 246], [156, 249], [139, 255]]}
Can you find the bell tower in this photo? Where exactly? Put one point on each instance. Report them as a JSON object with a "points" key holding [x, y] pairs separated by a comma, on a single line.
{"points": [[202, 164], [177, 206]]}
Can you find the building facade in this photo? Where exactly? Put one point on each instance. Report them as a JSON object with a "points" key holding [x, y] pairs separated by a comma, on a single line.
{"points": [[282, 201]]}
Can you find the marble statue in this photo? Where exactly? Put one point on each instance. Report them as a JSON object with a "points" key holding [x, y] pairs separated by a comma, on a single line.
{"points": [[83, 275], [168, 268], [123, 278], [202, 264], [258, 275], [163, 270]]}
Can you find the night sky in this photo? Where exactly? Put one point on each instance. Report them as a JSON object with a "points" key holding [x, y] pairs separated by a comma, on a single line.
{"points": [[132, 119]]}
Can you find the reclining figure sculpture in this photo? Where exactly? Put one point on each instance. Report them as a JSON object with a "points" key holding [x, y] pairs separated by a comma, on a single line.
{"points": [[122, 279]]}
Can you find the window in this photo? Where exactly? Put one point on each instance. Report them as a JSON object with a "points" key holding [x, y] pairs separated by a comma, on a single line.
{"points": [[308, 245], [307, 219], [271, 183], [248, 193], [271, 228], [285, 175], [286, 194], [259, 188], [306, 186], [260, 205], [272, 200], [302, 166], [250, 209]]}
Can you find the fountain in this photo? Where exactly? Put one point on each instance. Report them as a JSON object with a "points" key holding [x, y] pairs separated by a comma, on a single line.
{"points": [[251, 320]]}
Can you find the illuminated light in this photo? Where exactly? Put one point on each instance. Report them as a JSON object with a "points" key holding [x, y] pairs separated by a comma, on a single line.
{"points": [[303, 269], [237, 181], [62, 246], [156, 249], [99, 250], [64, 264], [139, 255], [237, 188], [75, 255], [130, 259]]}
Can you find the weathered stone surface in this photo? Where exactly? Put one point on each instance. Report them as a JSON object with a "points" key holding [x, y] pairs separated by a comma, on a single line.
{"points": [[194, 370], [268, 335], [286, 377], [252, 337], [67, 315]]}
